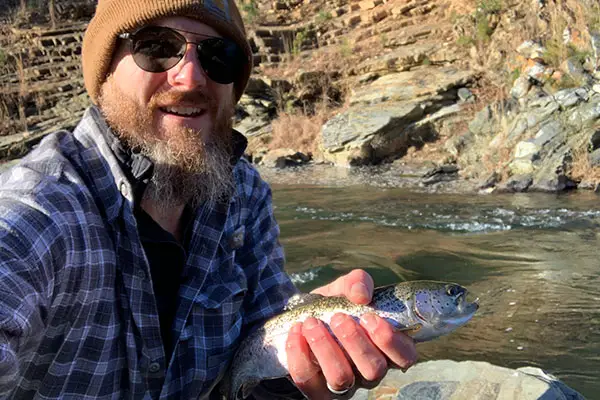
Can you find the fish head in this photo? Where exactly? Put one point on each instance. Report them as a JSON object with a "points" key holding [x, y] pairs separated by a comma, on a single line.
{"points": [[441, 307]]}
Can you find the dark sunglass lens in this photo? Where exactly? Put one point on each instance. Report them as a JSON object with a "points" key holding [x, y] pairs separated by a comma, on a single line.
{"points": [[221, 59], [157, 49]]}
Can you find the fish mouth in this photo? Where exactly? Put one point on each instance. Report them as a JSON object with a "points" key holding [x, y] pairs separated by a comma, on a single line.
{"points": [[465, 304]]}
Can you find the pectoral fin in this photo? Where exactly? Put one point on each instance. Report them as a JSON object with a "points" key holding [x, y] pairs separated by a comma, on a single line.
{"points": [[411, 330]]}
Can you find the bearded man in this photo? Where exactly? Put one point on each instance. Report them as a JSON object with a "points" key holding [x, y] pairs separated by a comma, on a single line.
{"points": [[138, 250]]}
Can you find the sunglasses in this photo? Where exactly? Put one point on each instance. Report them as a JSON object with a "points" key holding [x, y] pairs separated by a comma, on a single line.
{"points": [[158, 49]]}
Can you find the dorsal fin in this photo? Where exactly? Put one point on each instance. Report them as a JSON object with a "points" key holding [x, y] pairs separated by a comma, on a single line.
{"points": [[301, 299]]}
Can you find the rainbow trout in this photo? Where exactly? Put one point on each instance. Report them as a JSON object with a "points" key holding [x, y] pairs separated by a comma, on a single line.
{"points": [[424, 310]]}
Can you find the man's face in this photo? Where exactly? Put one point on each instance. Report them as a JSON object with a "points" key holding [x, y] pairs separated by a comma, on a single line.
{"points": [[149, 111]]}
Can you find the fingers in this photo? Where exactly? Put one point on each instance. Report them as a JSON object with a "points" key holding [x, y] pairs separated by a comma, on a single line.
{"points": [[335, 367], [315, 358], [357, 286], [369, 361], [302, 365], [398, 347]]}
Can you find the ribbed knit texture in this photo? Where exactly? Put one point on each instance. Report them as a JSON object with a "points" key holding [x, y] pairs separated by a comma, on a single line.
{"points": [[114, 17]]}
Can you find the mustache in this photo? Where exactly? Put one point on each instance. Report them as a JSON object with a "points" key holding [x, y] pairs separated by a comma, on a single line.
{"points": [[175, 97]]}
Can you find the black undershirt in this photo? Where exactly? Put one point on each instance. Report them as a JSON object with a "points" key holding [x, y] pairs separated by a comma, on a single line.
{"points": [[166, 257]]}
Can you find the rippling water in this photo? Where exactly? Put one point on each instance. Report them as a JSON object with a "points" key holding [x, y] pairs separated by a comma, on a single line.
{"points": [[532, 259]]}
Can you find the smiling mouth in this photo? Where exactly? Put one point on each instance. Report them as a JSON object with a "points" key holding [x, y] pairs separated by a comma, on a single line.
{"points": [[184, 112]]}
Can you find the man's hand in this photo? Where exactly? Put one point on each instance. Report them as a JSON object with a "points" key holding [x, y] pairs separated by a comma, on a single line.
{"points": [[316, 361]]}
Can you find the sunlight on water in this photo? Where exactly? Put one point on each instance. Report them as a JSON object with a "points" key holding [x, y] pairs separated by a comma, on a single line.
{"points": [[531, 259]]}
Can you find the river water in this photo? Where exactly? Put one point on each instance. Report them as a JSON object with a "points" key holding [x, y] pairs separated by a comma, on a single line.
{"points": [[533, 260]]}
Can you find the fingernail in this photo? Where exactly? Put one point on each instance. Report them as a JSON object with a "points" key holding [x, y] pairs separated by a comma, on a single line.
{"points": [[337, 320], [359, 290], [311, 323], [370, 321], [296, 328]]}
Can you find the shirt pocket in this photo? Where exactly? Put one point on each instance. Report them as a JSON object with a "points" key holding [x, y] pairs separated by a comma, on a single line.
{"points": [[218, 317]]}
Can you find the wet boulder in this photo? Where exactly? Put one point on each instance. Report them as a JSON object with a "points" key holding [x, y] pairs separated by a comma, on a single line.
{"points": [[473, 380]]}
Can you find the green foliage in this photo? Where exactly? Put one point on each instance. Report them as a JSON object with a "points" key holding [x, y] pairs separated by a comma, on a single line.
{"points": [[426, 61], [566, 82], [593, 17], [454, 16], [483, 30], [490, 6], [297, 43], [345, 48], [383, 39], [250, 11], [3, 59], [580, 55], [465, 41], [323, 17], [514, 75], [554, 52]]}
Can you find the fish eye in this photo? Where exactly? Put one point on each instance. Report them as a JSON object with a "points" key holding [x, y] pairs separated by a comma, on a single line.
{"points": [[452, 290]]}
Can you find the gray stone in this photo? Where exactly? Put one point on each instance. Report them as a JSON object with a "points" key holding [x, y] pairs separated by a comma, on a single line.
{"points": [[568, 97], [455, 144], [518, 127], [282, 158], [258, 88], [595, 140], [594, 158], [518, 183], [537, 72], [548, 133], [573, 67], [520, 87], [595, 36], [551, 175], [491, 180], [472, 380], [410, 85], [536, 116], [527, 149], [465, 95], [541, 101], [443, 173], [361, 131], [531, 49], [483, 123], [521, 166], [584, 115]]}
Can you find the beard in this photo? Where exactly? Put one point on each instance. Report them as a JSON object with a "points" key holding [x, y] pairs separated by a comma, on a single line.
{"points": [[187, 168]]}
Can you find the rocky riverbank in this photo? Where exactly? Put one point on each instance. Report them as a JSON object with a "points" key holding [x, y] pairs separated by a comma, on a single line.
{"points": [[477, 95]]}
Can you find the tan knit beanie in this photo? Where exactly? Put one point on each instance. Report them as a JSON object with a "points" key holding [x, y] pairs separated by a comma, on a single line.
{"points": [[114, 17]]}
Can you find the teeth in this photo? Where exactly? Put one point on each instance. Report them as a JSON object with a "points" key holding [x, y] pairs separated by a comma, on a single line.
{"points": [[183, 110]]}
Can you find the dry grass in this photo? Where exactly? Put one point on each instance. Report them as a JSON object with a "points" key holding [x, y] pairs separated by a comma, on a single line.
{"points": [[298, 131], [580, 165]]}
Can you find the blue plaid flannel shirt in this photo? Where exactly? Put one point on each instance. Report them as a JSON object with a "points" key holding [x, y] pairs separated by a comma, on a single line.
{"points": [[78, 318]]}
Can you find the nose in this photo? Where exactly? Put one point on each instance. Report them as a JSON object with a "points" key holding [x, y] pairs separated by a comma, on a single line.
{"points": [[188, 73]]}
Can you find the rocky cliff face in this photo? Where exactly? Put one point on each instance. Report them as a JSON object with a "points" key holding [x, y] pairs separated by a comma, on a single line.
{"points": [[468, 86], [501, 93]]}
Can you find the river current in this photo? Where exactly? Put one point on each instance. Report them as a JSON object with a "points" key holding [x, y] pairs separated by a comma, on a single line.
{"points": [[532, 259]]}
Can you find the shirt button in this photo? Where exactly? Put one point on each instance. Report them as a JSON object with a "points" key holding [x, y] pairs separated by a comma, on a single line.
{"points": [[123, 189], [154, 367]]}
